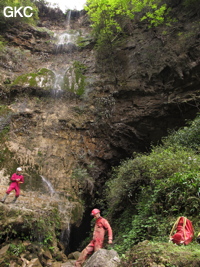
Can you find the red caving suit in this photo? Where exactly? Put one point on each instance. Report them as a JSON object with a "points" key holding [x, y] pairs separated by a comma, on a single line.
{"points": [[101, 226], [15, 184]]}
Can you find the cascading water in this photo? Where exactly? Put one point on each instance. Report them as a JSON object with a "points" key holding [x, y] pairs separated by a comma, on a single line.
{"points": [[69, 18], [65, 234], [66, 42], [58, 84], [48, 185], [64, 38], [65, 238], [63, 207]]}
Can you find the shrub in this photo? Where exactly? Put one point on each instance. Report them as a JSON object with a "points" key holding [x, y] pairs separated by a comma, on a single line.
{"points": [[149, 192], [189, 136]]}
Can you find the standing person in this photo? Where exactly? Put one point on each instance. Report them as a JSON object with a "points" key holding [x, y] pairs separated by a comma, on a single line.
{"points": [[100, 228], [16, 179]]}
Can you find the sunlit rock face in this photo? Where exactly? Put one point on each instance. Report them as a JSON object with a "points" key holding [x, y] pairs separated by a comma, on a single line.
{"points": [[46, 140]]}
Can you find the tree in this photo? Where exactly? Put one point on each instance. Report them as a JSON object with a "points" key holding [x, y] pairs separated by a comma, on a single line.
{"points": [[107, 15]]}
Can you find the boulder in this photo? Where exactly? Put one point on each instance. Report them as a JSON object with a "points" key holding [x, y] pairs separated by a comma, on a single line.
{"points": [[34, 263], [60, 256], [56, 264], [103, 258], [47, 254], [74, 255], [43, 78], [4, 249], [70, 263]]}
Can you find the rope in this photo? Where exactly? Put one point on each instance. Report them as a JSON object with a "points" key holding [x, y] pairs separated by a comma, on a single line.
{"points": [[184, 224], [174, 226]]}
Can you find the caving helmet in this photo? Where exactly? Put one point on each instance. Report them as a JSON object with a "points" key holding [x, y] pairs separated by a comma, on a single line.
{"points": [[95, 211], [19, 169]]}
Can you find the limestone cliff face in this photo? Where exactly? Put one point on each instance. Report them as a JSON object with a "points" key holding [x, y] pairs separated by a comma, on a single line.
{"points": [[108, 106]]}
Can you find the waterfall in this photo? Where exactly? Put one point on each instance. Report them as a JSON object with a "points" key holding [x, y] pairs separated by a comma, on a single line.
{"points": [[64, 38], [48, 184], [65, 238], [57, 87], [66, 42], [68, 18]]}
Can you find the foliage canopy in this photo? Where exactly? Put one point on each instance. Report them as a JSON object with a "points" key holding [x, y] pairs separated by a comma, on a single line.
{"points": [[108, 16]]}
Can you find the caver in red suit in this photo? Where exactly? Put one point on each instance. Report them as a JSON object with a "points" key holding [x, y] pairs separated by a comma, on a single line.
{"points": [[101, 227], [16, 179]]}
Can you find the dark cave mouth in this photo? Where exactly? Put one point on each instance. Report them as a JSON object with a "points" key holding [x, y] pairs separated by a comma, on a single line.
{"points": [[78, 234]]}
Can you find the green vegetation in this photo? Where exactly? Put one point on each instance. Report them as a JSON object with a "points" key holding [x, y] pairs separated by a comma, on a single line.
{"points": [[16, 249], [156, 188], [4, 110], [162, 254], [5, 115], [188, 137], [83, 41], [27, 233], [35, 227], [2, 43], [109, 18], [44, 30], [85, 181], [44, 78], [5, 21]]}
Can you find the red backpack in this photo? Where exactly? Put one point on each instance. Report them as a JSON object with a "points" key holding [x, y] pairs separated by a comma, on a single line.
{"points": [[184, 231]]}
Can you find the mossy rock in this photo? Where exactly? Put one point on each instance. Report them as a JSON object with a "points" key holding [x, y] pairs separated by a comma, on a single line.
{"points": [[149, 253], [44, 79], [74, 79]]}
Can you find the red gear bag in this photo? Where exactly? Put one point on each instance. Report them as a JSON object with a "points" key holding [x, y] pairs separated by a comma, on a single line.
{"points": [[184, 231]]}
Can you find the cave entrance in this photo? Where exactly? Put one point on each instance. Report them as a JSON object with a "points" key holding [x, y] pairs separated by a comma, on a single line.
{"points": [[79, 233]]}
